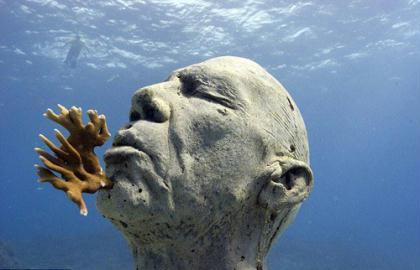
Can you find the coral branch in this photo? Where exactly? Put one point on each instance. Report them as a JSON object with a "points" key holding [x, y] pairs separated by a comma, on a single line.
{"points": [[75, 160]]}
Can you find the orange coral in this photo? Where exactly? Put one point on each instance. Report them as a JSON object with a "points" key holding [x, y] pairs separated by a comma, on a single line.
{"points": [[75, 160]]}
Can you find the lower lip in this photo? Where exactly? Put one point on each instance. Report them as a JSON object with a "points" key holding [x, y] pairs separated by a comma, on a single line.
{"points": [[122, 151]]}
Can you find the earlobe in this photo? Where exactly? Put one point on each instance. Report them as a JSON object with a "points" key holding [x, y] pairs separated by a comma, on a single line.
{"points": [[289, 183]]}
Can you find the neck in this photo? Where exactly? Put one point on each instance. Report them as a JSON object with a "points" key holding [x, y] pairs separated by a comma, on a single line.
{"points": [[225, 245]]}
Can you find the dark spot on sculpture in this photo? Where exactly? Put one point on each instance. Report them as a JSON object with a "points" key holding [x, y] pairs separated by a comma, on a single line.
{"points": [[109, 196], [292, 148], [222, 111], [242, 258], [290, 104], [192, 250], [125, 225], [273, 216], [279, 153], [125, 165], [140, 190], [124, 200]]}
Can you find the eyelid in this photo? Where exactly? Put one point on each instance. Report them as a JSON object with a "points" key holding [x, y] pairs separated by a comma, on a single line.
{"points": [[191, 87], [217, 98]]}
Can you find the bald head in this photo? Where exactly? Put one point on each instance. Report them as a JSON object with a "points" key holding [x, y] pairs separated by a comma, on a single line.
{"points": [[251, 89]]}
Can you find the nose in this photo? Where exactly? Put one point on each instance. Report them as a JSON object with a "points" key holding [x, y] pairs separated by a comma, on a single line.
{"points": [[147, 105]]}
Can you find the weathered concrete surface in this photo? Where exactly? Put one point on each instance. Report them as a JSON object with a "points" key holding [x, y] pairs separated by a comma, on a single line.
{"points": [[211, 168]]}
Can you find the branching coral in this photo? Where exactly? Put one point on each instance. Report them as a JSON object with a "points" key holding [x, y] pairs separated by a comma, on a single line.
{"points": [[75, 160]]}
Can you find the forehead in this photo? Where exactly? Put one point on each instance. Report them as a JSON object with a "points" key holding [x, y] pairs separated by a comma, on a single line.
{"points": [[224, 81], [239, 79], [210, 75], [260, 98]]}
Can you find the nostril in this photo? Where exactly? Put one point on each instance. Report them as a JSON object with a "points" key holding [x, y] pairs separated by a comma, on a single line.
{"points": [[150, 112], [127, 126], [161, 110], [148, 106], [156, 110], [134, 116]]}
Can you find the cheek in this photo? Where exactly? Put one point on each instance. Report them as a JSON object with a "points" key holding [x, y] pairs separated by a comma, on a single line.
{"points": [[209, 134], [224, 154]]}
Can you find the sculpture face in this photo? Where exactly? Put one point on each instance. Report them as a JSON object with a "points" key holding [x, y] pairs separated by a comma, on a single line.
{"points": [[195, 150]]}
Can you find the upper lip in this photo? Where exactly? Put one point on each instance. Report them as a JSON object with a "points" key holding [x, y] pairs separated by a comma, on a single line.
{"points": [[129, 140]]}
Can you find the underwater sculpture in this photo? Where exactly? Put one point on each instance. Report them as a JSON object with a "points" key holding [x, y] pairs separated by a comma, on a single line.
{"points": [[211, 168]]}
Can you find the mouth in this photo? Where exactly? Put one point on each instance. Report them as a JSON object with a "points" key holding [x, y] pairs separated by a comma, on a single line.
{"points": [[122, 152], [128, 159], [126, 143], [119, 161], [124, 161]]}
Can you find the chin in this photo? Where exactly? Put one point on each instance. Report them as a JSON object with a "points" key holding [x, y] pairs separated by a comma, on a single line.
{"points": [[124, 200]]}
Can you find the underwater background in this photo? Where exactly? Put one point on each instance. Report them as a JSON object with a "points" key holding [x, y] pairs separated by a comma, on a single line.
{"points": [[353, 67]]}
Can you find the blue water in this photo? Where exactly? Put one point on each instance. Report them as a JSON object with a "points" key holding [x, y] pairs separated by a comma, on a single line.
{"points": [[353, 67]]}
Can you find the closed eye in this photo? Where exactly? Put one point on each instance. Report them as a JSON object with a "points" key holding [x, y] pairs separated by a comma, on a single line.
{"points": [[216, 98], [193, 87]]}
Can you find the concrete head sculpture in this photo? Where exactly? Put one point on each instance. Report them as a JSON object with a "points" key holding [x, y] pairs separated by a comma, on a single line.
{"points": [[211, 168]]}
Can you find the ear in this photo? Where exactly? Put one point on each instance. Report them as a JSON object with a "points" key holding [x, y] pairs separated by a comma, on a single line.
{"points": [[289, 182]]}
